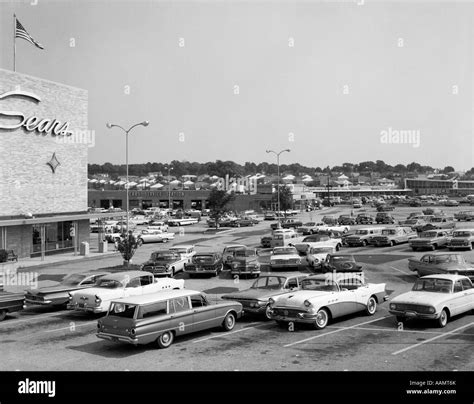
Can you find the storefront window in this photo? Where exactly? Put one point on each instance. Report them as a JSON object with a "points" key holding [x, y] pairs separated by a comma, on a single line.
{"points": [[56, 236]]}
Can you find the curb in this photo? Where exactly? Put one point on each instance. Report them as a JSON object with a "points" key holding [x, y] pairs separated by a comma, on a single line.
{"points": [[58, 263]]}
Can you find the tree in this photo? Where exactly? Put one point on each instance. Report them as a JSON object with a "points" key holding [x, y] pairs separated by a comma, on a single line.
{"points": [[447, 170], [286, 198], [127, 247], [218, 202]]}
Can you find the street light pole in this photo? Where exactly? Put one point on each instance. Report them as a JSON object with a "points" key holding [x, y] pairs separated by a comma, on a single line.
{"points": [[127, 131], [169, 189], [278, 178]]}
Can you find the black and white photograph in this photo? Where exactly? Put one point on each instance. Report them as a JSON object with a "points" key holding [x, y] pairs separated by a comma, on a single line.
{"points": [[268, 190]]}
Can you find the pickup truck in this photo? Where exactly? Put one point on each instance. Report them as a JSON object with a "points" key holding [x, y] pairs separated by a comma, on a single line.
{"points": [[431, 239], [393, 236], [287, 224]]}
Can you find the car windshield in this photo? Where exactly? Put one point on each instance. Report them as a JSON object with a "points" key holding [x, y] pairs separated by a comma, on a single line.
{"points": [[433, 285], [461, 234], [284, 251], [180, 250], [244, 253], [268, 282], [122, 310], [321, 250], [309, 224], [73, 279], [319, 284], [362, 232], [163, 256], [203, 258], [388, 231], [109, 284], [429, 234]]}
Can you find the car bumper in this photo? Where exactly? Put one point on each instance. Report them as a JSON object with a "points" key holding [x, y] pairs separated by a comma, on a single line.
{"points": [[200, 271], [411, 314], [458, 247], [38, 302], [117, 338], [245, 271], [283, 266], [88, 309], [299, 318]]}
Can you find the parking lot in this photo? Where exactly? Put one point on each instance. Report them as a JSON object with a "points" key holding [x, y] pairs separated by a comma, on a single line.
{"points": [[355, 342]]}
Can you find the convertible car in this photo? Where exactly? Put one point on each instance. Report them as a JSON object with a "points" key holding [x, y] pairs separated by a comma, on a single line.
{"points": [[118, 285], [58, 295], [435, 297], [448, 263], [255, 300], [327, 296]]}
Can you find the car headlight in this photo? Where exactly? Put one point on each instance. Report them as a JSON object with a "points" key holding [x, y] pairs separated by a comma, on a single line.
{"points": [[69, 296], [272, 262], [235, 265], [307, 303], [393, 306], [431, 310], [316, 260], [98, 300], [271, 302]]}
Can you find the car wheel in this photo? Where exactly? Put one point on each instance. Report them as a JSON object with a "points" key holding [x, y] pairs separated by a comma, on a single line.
{"points": [[172, 272], [3, 314], [470, 247], [414, 249], [338, 247], [443, 318], [433, 247], [165, 340], [322, 319], [392, 243], [371, 307], [229, 322], [140, 242], [165, 240], [267, 312]]}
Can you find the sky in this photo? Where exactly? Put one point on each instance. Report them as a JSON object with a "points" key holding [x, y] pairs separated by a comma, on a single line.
{"points": [[334, 81]]}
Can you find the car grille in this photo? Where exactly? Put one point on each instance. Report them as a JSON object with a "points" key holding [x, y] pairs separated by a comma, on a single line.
{"points": [[283, 262], [287, 312], [418, 308], [380, 239], [458, 242], [155, 269], [420, 242]]}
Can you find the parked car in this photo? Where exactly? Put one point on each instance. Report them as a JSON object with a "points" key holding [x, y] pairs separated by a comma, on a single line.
{"points": [[118, 285], [444, 263], [270, 216], [451, 202], [164, 263], [346, 220], [432, 211], [384, 218], [462, 238], [330, 220], [10, 302], [317, 240], [255, 299], [439, 222], [244, 222], [363, 237], [327, 296], [435, 297], [364, 218], [285, 258], [204, 263], [287, 224], [384, 207], [58, 295], [340, 263], [228, 253], [154, 236], [393, 236], [266, 241], [245, 263], [187, 251], [160, 317], [308, 228], [316, 256], [465, 215], [430, 239]]}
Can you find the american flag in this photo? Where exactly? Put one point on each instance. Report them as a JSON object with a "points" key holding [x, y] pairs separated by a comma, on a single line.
{"points": [[20, 32]]}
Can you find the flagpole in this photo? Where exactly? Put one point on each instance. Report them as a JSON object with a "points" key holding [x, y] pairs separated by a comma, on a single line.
{"points": [[14, 42]]}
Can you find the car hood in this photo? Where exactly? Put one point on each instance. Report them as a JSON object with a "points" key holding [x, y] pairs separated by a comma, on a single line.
{"points": [[253, 294], [296, 299], [245, 260], [423, 298], [320, 257]]}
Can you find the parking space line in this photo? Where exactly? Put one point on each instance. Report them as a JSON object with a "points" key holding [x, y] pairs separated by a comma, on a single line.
{"points": [[333, 332], [249, 327], [403, 272], [432, 339]]}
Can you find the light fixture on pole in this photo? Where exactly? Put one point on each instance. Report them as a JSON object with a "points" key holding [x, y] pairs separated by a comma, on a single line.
{"points": [[278, 178], [169, 189], [127, 131]]}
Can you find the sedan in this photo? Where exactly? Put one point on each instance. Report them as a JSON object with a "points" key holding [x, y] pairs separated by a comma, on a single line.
{"points": [[285, 258], [435, 297]]}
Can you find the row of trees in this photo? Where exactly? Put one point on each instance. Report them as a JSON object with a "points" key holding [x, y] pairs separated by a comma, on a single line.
{"points": [[221, 168]]}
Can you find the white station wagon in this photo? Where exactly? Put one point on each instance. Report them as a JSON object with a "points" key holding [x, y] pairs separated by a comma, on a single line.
{"points": [[119, 285], [435, 297]]}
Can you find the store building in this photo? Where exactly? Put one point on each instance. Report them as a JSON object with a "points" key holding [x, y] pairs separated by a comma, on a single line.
{"points": [[450, 187], [43, 165]]}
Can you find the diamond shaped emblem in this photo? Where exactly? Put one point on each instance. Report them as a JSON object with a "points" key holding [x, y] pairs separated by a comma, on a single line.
{"points": [[53, 163]]}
